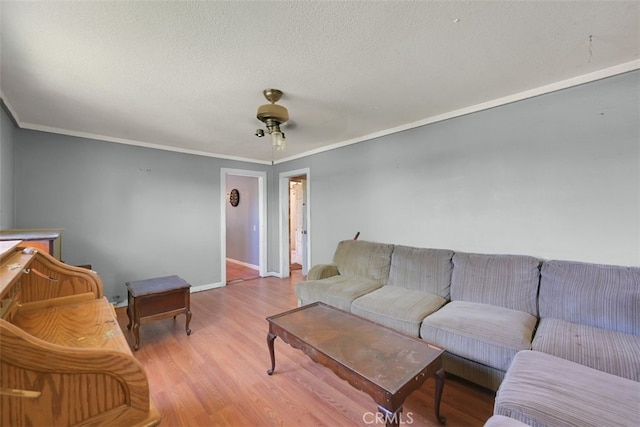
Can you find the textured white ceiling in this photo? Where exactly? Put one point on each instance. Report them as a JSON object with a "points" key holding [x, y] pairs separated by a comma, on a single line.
{"points": [[188, 76]]}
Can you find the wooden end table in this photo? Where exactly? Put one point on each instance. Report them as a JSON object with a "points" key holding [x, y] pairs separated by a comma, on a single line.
{"points": [[155, 299], [382, 362]]}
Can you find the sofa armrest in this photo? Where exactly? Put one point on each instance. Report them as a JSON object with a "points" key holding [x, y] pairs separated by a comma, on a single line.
{"points": [[322, 271]]}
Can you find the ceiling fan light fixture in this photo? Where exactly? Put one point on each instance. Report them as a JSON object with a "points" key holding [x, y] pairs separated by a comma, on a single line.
{"points": [[278, 140], [273, 116]]}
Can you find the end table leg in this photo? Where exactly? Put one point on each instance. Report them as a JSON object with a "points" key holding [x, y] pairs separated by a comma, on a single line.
{"points": [[136, 334], [439, 375], [129, 313], [270, 339], [188, 313]]}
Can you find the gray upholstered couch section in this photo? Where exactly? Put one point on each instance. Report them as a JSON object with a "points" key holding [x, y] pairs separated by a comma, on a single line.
{"points": [[590, 314], [492, 315], [544, 390], [495, 308]]}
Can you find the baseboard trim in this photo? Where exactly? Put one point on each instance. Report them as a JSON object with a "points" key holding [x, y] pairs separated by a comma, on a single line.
{"points": [[244, 264], [206, 287]]}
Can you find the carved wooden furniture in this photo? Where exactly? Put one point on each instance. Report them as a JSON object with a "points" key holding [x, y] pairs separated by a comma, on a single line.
{"points": [[382, 362], [47, 240], [155, 299], [63, 358]]}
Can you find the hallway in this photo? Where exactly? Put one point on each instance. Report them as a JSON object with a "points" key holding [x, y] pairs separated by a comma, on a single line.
{"points": [[240, 273]]}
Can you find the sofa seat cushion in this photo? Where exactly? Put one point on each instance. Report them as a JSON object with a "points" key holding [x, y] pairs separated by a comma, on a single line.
{"points": [[483, 333], [337, 291], [543, 390], [601, 349], [398, 308]]}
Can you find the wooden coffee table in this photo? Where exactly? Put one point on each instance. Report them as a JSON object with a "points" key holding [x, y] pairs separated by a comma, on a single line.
{"points": [[382, 362]]}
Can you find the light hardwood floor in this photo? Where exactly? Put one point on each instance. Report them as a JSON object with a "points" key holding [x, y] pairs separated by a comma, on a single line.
{"points": [[217, 376], [237, 272]]}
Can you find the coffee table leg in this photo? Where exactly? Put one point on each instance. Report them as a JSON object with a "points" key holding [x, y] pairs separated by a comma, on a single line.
{"points": [[439, 387], [270, 339], [391, 419]]}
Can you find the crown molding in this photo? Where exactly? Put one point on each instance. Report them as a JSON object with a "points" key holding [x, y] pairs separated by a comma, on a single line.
{"points": [[532, 93], [542, 90]]}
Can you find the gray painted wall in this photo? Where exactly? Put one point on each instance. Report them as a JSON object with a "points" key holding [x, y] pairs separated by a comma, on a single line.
{"points": [[7, 144], [130, 212], [243, 227], [556, 176]]}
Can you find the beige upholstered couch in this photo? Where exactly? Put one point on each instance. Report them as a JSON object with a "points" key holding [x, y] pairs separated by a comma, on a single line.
{"points": [[481, 308], [486, 309], [357, 270]]}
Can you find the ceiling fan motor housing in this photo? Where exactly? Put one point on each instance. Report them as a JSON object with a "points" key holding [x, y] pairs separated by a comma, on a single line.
{"points": [[273, 112]]}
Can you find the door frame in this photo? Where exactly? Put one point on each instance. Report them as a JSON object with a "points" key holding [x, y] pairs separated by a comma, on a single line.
{"points": [[284, 217], [262, 219]]}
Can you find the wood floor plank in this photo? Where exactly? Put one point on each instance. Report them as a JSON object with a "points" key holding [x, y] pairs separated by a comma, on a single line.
{"points": [[237, 272], [217, 375]]}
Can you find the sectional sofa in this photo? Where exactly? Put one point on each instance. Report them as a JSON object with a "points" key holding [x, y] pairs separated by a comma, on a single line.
{"points": [[485, 309]]}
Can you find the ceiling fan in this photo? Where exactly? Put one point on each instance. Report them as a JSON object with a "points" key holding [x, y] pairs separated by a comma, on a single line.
{"points": [[273, 116]]}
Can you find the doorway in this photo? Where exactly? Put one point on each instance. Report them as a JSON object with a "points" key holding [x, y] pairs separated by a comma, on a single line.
{"points": [[294, 222], [247, 201], [297, 222]]}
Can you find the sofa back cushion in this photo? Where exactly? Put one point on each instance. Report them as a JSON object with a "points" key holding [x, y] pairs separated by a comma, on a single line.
{"points": [[364, 259], [602, 296], [426, 270], [509, 281]]}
